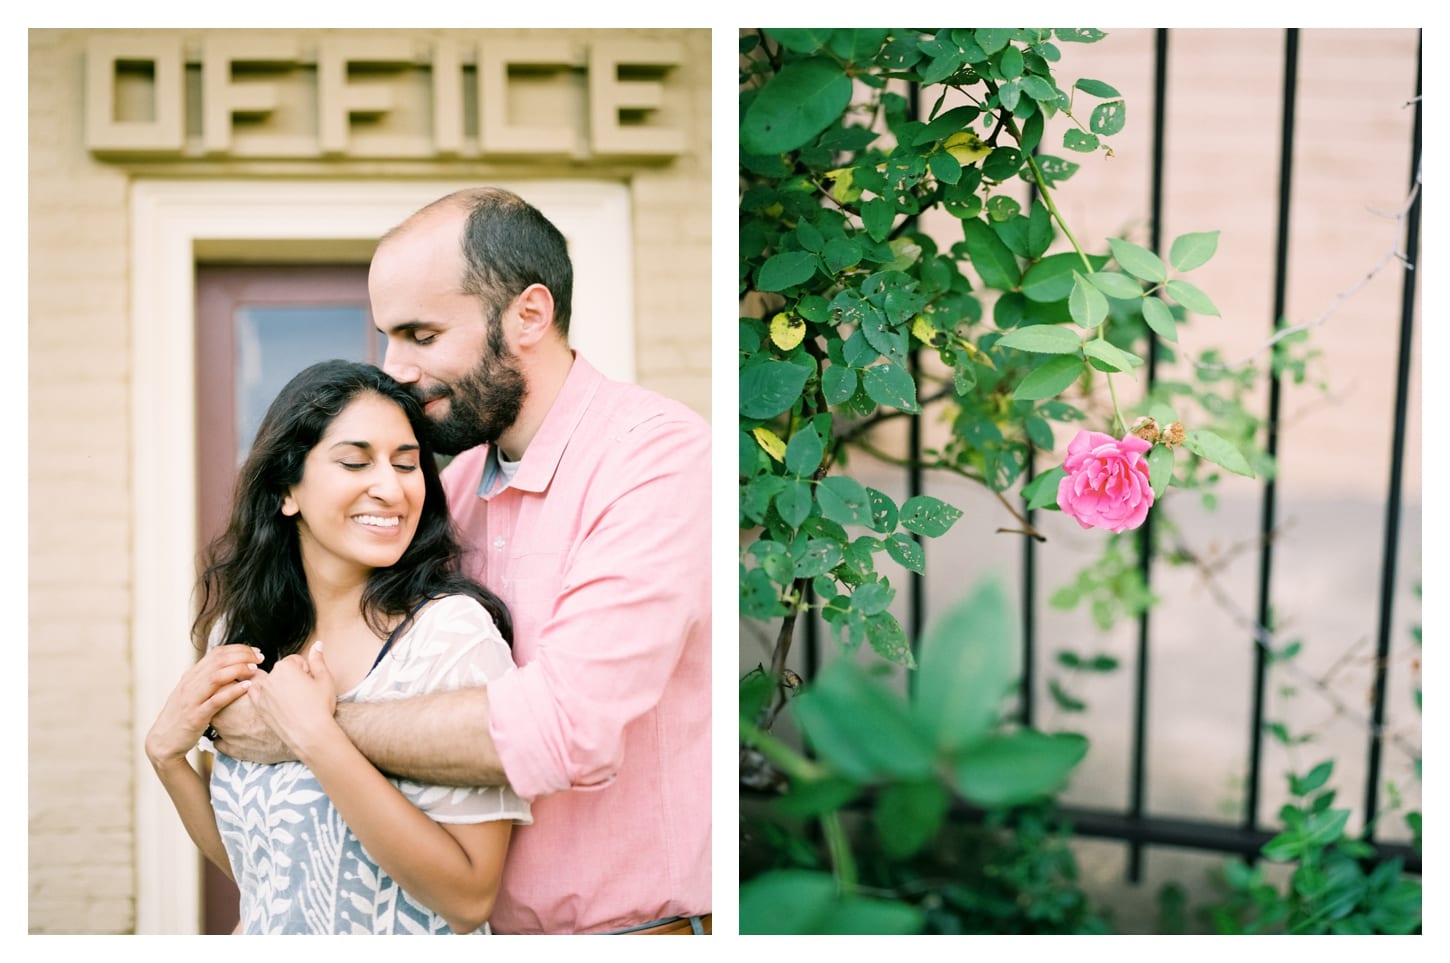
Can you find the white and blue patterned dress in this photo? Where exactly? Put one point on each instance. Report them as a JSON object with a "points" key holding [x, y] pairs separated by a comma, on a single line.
{"points": [[298, 866]]}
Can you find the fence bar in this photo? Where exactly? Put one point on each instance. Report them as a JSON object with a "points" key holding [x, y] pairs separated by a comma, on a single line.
{"points": [[1145, 534], [1029, 599], [1397, 459], [1199, 834], [1267, 521], [916, 598]]}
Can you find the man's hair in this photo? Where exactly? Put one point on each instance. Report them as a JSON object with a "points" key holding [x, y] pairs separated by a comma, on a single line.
{"points": [[253, 584], [507, 246]]}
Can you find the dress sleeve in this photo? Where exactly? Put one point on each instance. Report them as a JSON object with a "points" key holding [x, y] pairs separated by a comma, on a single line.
{"points": [[453, 644]]}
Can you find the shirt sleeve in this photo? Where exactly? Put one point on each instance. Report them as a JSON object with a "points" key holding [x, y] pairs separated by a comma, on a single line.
{"points": [[634, 588], [454, 644]]}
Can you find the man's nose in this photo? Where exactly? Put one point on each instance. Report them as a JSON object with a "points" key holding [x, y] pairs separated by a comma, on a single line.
{"points": [[399, 368]]}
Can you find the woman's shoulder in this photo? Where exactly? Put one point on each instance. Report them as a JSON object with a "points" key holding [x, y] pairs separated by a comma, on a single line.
{"points": [[455, 612]]}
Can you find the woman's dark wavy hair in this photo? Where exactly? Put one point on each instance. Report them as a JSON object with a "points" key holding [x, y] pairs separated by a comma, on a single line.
{"points": [[253, 581]]}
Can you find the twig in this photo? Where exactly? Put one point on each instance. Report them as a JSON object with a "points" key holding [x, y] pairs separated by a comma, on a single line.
{"points": [[1395, 254]]}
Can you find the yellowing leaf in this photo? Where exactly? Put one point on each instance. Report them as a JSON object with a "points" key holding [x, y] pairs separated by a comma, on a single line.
{"points": [[786, 331], [966, 147], [771, 442], [842, 189], [924, 330], [977, 354]]}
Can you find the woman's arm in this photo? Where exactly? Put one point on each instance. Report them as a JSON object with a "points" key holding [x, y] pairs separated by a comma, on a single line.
{"points": [[216, 680], [453, 869]]}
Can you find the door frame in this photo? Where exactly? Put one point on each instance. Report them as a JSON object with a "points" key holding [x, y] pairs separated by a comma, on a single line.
{"points": [[177, 223]]}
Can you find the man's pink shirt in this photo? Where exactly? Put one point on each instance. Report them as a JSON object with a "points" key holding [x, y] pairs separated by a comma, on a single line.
{"points": [[600, 548]]}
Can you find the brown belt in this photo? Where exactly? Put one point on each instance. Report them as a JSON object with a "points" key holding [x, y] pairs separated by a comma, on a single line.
{"points": [[677, 926]]}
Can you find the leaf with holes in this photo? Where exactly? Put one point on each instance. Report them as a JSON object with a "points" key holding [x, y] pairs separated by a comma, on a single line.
{"points": [[928, 516]]}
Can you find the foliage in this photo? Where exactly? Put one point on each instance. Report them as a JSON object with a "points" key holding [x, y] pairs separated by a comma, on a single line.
{"points": [[1336, 885], [853, 314], [903, 761], [841, 290]]}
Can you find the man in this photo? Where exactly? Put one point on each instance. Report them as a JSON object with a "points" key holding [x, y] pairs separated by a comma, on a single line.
{"points": [[584, 503]]}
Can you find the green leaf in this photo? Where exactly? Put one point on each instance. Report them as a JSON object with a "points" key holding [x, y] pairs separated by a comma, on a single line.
{"points": [[1043, 489], [1017, 768], [1079, 140], [1108, 118], [1160, 469], [1138, 260], [1096, 88], [820, 556], [890, 385], [884, 513], [1049, 379], [1317, 777], [877, 216], [992, 39], [888, 639], [794, 106], [841, 253], [768, 388], [1111, 355], [859, 728], [838, 383], [945, 168], [872, 598], [1192, 250], [1063, 699], [793, 503], [1042, 339], [806, 40], [804, 902], [804, 452], [808, 798], [925, 515], [909, 814], [1011, 63], [1116, 285], [1050, 279], [907, 552], [844, 500], [1191, 298], [1206, 444], [1159, 318], [1086, 304], [786, 270], [968, 664], [993, 260]]}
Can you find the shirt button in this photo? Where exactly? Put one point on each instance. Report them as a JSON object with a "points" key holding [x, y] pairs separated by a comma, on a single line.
{"points": [[498, 542]]}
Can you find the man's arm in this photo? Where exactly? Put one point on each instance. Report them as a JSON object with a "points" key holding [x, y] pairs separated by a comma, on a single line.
{"points": [[439, 738]]}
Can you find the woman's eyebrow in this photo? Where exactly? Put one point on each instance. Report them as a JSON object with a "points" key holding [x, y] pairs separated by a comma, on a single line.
{"points": [[368, 446]]}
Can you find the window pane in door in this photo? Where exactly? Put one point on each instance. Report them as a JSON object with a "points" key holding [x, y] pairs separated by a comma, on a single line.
{"points": [[273, 343]]}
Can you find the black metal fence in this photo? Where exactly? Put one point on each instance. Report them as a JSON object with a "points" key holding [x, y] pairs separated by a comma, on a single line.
{"points": [[1134, 824]]}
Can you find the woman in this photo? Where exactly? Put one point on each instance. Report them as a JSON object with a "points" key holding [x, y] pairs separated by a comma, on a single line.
{"points": [[339, 532]]}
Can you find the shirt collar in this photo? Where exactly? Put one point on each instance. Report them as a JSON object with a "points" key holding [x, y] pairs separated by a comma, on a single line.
{"points": [[541, 458]]}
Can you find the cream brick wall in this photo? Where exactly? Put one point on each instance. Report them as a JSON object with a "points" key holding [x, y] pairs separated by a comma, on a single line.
{"points": [[81, 734], [83, 740]]}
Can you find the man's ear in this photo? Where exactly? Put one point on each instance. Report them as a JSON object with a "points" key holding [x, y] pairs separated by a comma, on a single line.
{"points": [[534, 309]]}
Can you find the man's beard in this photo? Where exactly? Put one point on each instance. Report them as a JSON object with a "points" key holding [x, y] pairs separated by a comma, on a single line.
{"points": [[482, 405]]}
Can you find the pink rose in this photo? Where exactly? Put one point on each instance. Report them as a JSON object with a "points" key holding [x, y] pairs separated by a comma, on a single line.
{"points": [[1107, 482]]}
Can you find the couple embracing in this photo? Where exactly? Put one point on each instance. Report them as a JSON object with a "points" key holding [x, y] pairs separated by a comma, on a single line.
{"points": [[470, 702]]}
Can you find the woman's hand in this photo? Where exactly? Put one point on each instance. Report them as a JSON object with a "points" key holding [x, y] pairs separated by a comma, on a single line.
{"points": [[297, 701], [214, 682]]}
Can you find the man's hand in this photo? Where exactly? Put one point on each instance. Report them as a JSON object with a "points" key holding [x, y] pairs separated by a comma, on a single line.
{"points": [[245, 734]]}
